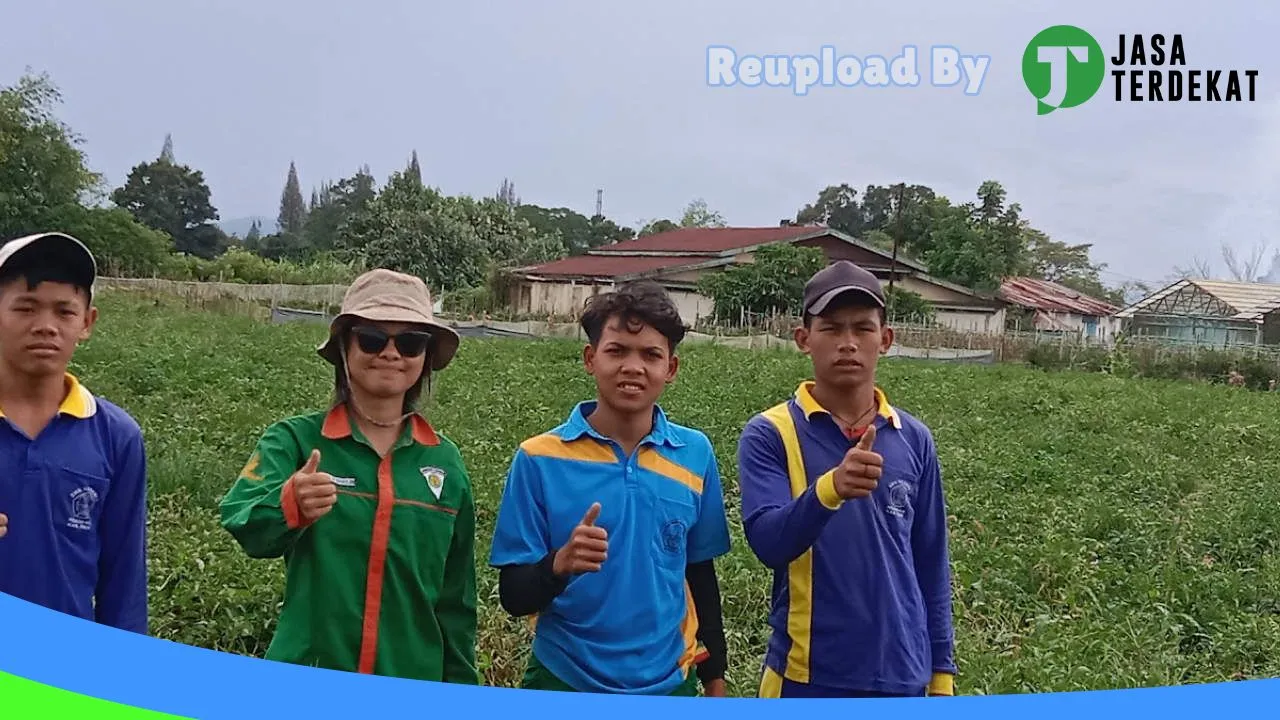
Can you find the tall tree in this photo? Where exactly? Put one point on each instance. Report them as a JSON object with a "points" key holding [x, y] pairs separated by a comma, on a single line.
{"points": [[577, 233], [975, 244], [1248, 268], [414, 229], [697, 214], [173, 199], [414, 170], [507, 193], [336, 204], [507, 239], [836, 208], [45, 182], [166, 153], [254, 235], [293, 209], [774, 282], [1199, 269], [606, 232], [42, 169], [654, 227]]}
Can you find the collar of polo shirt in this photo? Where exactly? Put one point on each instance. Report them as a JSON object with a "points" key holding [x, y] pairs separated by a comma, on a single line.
{"points": [[337, 425], [811, 407], [79, 403], [578, 426]]}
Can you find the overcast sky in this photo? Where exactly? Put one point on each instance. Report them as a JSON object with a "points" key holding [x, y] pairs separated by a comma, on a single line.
{"points": [[568, 97]]}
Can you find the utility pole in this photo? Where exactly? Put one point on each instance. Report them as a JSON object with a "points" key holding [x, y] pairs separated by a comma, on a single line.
{"points": [[897, 236], [599, 203]]}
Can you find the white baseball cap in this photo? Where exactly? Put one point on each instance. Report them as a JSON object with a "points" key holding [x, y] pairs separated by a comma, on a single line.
{"points": [[53, 249]]}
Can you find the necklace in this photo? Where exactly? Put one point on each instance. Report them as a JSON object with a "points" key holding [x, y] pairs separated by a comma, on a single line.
{"points": [[380, 423], [855, 423]]}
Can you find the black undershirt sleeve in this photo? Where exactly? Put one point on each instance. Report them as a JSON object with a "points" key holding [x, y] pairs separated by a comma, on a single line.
{"points": [[529, 589], [705, 588]]}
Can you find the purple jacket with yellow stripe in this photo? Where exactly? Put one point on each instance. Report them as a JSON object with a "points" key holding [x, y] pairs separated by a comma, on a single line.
{"points": [[862, 588]]}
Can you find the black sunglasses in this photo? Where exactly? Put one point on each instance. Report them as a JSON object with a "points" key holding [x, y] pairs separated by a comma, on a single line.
{"points": [[410, 343]]}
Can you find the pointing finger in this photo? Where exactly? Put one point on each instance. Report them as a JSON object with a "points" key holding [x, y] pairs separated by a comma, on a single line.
{"points": [[868, 438]]}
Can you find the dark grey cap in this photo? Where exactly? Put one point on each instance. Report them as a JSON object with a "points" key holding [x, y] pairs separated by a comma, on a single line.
{"points": [[836, 279]]}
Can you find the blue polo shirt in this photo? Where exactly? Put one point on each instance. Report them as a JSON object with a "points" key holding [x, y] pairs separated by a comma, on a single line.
{"points": [[630, 628], [862, 588], [75, 496]]}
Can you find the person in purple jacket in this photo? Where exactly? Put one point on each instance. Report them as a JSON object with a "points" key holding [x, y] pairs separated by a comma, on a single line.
{"points": [[842, 498], [74, 483]]}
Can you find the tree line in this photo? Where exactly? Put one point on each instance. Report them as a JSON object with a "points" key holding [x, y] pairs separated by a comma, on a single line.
{"points": [[162, 221]]}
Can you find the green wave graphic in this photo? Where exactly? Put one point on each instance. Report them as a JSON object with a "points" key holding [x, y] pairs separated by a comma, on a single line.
{"points": [[29, 699]]}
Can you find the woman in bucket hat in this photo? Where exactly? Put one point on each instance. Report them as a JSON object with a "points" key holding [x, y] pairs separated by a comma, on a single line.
{"points": [[371, 508]]}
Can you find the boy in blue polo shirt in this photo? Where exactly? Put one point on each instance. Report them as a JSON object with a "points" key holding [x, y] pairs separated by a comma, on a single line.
{"points": [[842, 498], [609, 523], [73, 489]]}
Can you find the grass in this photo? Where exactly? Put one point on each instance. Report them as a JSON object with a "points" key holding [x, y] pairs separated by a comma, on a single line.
{"points": [[1106, 533]]}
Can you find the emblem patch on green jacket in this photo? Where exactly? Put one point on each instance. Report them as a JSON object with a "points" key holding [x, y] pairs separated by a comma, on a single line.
{"points": [[435, 479]]}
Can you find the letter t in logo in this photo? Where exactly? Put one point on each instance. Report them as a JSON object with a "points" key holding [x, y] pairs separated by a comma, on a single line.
{"points": [[1056, 56]]}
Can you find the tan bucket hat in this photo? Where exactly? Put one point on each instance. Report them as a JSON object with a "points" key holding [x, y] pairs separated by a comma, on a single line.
{"points": [[383, 295]]}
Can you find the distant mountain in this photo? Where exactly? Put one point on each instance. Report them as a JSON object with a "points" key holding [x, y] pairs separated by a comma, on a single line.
{"points": [[240, 226]]}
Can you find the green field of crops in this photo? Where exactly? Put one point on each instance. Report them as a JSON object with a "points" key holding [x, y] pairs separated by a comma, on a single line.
{"points": [[1106, 533]]}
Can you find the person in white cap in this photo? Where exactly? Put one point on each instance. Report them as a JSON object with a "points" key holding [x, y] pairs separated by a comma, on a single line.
{"points": [[371, 508], [74, 482]]}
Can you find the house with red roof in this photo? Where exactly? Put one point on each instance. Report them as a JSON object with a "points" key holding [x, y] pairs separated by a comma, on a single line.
{"points": [[679, 258], [1053, 307]]}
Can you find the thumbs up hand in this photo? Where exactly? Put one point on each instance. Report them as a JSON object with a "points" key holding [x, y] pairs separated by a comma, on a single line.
{"points": [[587, 547], [314, 490], [859, 472]]}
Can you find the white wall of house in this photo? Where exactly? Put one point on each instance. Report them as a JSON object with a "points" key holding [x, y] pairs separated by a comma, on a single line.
{"points": [[971, 320], [555, 298], [1092, 327], [692, 305], [929, 291], [569, 299]]}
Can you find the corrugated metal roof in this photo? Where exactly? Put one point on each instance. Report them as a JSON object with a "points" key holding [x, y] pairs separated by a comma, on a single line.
{"points": [[605, 266], [1052, 297], [1250, 300], [710, 240]]}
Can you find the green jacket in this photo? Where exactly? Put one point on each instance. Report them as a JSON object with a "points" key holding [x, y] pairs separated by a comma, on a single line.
{"points": [[384, 583]]}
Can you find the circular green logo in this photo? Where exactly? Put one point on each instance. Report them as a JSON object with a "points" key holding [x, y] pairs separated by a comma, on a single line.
{"points": [[1063, 66]]}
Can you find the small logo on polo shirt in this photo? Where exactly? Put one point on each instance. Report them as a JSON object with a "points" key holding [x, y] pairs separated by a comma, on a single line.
{"points": [[673, 536], [899, 498], [435, 479], [343, 481], [83, 501]]}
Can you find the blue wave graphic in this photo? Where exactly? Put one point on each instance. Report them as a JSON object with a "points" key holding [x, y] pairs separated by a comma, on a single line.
{"points": [[109, 664]]}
